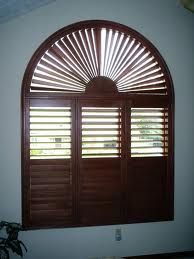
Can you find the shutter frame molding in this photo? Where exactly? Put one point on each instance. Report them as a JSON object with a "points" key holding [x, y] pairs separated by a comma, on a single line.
{"points": [[100, 87]]}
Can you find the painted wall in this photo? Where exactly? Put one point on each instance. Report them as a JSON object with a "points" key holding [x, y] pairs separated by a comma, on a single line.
{"points": [[170, 28]]}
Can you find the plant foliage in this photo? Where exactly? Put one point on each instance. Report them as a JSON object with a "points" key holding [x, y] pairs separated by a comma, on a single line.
{"points": [[11, 242]]}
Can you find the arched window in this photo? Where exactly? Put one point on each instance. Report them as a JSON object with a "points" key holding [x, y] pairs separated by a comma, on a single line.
{"points": [[97, 142]]}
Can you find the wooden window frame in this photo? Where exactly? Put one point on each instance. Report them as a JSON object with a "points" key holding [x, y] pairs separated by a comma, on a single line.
{"points": [[130, 168]]}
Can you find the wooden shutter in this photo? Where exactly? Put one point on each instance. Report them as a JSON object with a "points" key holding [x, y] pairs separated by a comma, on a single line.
{"points": [[148, 189], [100, 163], [50, 166], [73, 60], [97, 115]]}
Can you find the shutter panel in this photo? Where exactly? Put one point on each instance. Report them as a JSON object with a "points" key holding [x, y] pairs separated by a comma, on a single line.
{"points": [[51, 192], [148, 175], [100, 164]]}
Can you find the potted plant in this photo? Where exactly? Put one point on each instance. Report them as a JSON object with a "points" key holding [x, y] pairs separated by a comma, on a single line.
{"points": [[10, 241]]}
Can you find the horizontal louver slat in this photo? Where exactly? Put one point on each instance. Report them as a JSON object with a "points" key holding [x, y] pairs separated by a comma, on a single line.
{"points": [[100, 191], [149, 132], [50, 132], [51, 191], [100, 132]]}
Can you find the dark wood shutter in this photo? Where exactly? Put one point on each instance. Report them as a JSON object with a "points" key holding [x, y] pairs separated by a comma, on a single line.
{"points": [[100, 163], [50, 163], [148, 166], [97, 129]]}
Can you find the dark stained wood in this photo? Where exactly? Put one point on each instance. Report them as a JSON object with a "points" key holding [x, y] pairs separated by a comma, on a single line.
{"points": [[101, 85], [100, 191], [50, 191], [96, 191], [97, 36], [25, 146], [147, 189]]}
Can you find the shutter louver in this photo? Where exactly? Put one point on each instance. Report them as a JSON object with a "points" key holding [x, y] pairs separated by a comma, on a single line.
{"points": [[50, 192], [100, 132], [149, 132], [75, 59], [50, 132], [51, 188]]}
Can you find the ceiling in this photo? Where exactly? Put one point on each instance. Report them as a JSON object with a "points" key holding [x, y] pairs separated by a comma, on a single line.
{"points": [[9, 9]]}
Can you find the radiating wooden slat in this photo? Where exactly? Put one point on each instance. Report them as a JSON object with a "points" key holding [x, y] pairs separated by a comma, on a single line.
{"points": [[66, 46], [156, 75], [55, 73], [79, 58], [113, 50], [130, 60], [92, 50], [47, 78], [109, 41], [88, 53], [140, 74], [71, 43], [97, 35], [46, 89], [52, 64], [61, 58], [84, 52], [74, 40], [122, 49]]}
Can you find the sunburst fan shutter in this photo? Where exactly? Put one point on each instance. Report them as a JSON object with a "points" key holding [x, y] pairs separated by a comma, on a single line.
{"points": [[97, 129], [75, 59]]}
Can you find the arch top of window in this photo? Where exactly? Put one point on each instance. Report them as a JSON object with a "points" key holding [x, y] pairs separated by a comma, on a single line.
{"points": [[97, 56]]}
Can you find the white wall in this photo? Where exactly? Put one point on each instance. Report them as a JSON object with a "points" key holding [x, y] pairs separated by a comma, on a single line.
{"points": [[170, 28]]}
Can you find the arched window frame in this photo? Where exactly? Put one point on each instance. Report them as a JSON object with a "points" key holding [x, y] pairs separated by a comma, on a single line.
{"points": [[128, 211]]}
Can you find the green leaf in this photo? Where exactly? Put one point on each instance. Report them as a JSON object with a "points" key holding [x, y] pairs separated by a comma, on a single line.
{"points": [[4, 253], [23, 245], [15, 247], [13, 235], [15, 226], [2, 240]]}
